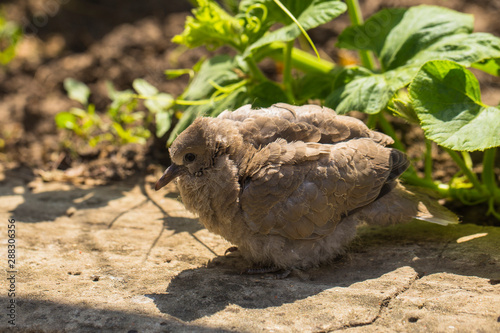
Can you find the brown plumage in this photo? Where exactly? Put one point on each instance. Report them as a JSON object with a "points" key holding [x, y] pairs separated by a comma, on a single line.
{"points": [[289, 184]]}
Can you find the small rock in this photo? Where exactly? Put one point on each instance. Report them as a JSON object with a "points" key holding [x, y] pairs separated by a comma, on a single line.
{"points": [[70, 211]]}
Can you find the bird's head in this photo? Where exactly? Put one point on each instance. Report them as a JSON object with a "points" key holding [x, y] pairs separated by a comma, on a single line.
{"points": [[194, 151]]}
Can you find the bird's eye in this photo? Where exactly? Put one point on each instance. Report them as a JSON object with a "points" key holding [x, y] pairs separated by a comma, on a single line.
{"points": [[189, 157]]}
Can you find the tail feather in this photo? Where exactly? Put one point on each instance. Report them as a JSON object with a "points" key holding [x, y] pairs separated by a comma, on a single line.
{"points": [[431, 211], [401, 205]]}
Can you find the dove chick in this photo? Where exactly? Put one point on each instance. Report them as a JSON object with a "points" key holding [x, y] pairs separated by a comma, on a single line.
{"points": [[289, 184]]}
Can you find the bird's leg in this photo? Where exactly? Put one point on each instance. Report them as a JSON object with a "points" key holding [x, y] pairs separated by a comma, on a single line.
{"points": [[278, 272]]}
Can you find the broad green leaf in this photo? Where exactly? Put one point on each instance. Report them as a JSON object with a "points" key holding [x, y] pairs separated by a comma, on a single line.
{"points": [[313, 86], [309, 13], [465, 49], [221, 69], [77, 90], [212, 27], [266, 94], [490, 66], [144, 88], [397, 35], [447, 100], [369, 93], [405, 39], [163, 122]]}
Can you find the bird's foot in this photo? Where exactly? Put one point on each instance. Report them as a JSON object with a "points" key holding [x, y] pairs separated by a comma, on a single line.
{"points": [[278, 273], [231, 250]]}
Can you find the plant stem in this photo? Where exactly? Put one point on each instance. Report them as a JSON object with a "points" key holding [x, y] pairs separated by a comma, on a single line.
{"points": [[294, 19], [489, 173], [467, 159], [442, 189], [357, 19], [371, 122], [299, 59], [467, 195], [468, 172], [428, 160], [255, 70], [389, 130], [287, 71]]}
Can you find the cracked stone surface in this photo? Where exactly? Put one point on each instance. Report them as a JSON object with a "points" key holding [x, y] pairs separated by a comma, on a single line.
{"points": [[125, 258]]}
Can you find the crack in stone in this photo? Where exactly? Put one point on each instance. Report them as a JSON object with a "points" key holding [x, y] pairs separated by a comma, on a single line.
{"points": [[439, 257], [384, 304]]}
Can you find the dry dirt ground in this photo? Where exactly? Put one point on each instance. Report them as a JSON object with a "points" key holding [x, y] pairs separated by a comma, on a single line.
{"points": [[123, 258]]}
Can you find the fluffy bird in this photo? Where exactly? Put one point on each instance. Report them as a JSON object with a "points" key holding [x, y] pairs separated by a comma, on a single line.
{"points": [[289, 184]]}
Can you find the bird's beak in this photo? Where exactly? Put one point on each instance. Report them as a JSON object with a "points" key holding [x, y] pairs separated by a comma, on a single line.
{"points": [[170, 174]]}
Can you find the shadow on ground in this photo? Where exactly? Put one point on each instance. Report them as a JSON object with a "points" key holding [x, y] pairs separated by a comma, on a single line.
{"points": [[428, 249], [39, 315]]}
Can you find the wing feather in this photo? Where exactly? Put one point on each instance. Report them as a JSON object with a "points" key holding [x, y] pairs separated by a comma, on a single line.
{"points": [[306, 194]]}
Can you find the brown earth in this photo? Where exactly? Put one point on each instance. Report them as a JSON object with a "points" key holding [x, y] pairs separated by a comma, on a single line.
{"points": [[98, 250]]}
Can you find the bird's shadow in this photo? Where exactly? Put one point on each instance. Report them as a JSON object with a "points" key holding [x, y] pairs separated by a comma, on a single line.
{"points": [[195, 293]]}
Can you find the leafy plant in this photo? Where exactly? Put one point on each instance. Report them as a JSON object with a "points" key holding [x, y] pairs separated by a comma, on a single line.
{"points": [[121, 123], [10, 36], [414, 65]]}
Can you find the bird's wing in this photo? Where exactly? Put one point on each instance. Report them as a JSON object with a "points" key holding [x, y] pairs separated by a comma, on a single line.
{"points": [[308, 123], [263, 126], [333, 128], [302, 190]]}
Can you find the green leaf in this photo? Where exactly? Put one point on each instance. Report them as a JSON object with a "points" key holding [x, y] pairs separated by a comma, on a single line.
{"points": [[159, 102], [266, 94], [212, 27], [234, 100], [66, 120], [309, 13], [490, 66], [175, 73], [371, 35], [119, 99], [163, 122], [77, 90], [397, 35], [10, 36], [313, 86], [221, 69], [126, 135], [402, 106], [447, 99], [405, 39], [144, 88], [368, 93]]}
